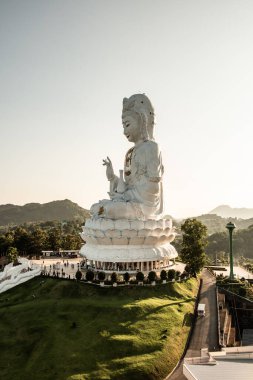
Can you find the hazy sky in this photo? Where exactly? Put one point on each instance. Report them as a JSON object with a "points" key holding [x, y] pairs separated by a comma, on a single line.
{"points": [[66, 66]]}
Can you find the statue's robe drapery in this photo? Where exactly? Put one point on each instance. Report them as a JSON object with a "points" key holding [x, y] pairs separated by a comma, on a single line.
{"points": [[143, 196]]}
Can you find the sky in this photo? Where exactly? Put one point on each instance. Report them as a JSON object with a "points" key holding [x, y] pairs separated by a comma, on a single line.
{"points": [[65, 67]]}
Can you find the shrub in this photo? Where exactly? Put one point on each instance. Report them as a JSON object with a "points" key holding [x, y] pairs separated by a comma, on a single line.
{"points": [[101, 276], [187, 269], [89, 275], [152, 276], [177, 274], [79, 275], [171, 274], [126, 277], [140, 276], [163, 275], [242, 292], [114, 277]]}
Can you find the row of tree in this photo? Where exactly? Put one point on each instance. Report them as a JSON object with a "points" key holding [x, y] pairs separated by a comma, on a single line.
{"points": [[169, 275], [32, 239]]}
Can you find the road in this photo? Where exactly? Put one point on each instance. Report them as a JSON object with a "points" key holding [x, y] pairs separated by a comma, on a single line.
{"points": [[205, 331]]}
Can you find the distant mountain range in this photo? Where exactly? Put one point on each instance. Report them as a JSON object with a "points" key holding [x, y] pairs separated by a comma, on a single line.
{"points": [[62, 210], [228, 212], [35, 212]]}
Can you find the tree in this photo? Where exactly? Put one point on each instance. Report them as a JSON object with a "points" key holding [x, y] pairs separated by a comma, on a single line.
{"points": [[171, 274], [139, 276], [152, 276], [163, 275], [12, 254], [6, 241], [79, 275], [38, 241], [89, 275], [21, 240], [126, 277], [54, 239], [194, 242], [101, 276], [114, 277]]}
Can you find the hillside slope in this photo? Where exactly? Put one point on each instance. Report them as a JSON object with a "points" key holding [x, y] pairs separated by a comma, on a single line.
{"points": [[64, 330], [35, 212]]}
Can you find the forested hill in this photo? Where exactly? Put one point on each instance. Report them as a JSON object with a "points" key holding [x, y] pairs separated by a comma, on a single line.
{"points": [[216, 223], [35, 212]]}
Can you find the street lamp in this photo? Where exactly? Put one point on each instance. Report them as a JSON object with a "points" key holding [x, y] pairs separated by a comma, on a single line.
{"points": [[231, 226]]}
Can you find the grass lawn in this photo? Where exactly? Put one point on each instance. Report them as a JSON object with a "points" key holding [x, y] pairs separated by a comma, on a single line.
{"points": [[60, 329]]}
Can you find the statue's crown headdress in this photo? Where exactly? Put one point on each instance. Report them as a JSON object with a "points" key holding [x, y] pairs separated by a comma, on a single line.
{"points": [[141, 105]]}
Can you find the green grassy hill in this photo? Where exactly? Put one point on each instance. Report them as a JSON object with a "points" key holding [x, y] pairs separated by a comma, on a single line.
{"points": [[59, 329]]}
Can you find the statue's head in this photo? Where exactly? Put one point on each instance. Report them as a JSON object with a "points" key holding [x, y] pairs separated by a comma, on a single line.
{"points": [[139, 106]]}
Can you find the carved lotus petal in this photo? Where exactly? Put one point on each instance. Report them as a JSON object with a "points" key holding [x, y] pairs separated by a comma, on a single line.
{"points": [[113, 233], [162, 239], [167, 231], [138, 240], [120, 241], [144, 232], [97, 224], [107, 224], [151, 240], [91, 240], [99, 233], [150, 224], [122, 224], [171, 237], [129, 233], [168, 223], [137, 224], [157, 232], [160, 223], [104, 241], [88, 223]]}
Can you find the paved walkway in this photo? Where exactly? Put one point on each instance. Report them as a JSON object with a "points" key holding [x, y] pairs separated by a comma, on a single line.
{"points": [[205, 331], [59, 264]]}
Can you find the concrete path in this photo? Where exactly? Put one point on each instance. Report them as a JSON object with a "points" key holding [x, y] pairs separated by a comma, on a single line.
{"points": [[205, 334]]}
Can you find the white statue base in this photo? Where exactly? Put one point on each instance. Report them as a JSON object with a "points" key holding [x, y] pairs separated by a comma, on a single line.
{"points": [[128, 245]]}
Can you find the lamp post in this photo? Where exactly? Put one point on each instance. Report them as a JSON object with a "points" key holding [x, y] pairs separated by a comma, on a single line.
{"points": [[231, 226]]}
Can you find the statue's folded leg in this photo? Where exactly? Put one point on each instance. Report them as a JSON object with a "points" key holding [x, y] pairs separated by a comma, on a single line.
{"points": [[116, 210]]}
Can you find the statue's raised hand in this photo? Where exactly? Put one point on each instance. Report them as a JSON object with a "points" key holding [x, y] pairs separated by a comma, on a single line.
{"points": [[109, 169]]}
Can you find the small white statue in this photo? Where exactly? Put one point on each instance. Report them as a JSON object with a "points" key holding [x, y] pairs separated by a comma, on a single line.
{"points": [[137, 192]]}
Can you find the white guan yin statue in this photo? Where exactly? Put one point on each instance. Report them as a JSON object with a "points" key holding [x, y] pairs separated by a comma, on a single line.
{"points": [[127, 231]]}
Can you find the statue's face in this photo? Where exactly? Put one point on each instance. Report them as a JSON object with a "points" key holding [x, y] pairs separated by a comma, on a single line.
{"points": [[132, 129]]}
